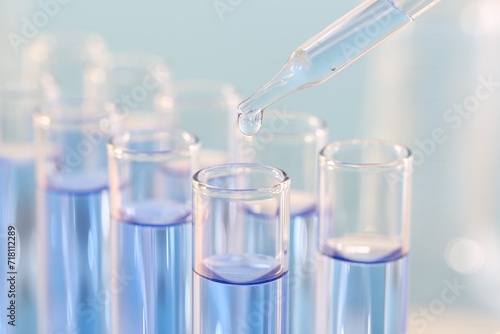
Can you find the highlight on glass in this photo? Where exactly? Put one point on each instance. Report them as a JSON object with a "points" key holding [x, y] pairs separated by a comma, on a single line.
{"points": [[291, 141], [364, 203], [150, 186], [72, 214], [241, 255]]}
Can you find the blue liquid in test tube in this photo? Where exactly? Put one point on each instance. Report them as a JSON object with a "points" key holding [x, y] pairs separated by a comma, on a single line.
{"points": [[150, 173], [364, 238], [230, 298], [72, 217], [73, 254], [17, 182], [369, 290]]}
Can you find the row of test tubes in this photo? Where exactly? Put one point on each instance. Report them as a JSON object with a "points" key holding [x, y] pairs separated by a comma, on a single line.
{"points": [[127, 224]]}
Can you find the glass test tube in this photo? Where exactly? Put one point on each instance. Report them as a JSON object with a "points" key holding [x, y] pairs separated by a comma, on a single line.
{"points": [[150, 182], [135, 83], [364, 204], [199, 105], [292, 141], [69, 64], [240, 280], [72, 216], [18, 99]]}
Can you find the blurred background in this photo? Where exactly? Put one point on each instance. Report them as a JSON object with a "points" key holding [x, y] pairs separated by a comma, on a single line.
{"points": [[435, 87]]}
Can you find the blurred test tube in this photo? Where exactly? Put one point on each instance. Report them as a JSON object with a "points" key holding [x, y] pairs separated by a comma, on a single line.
{"points": [[69, 64], [150, 181], [207, 109], [139, 84], [18, 98], [291, 141], [72, 216]]}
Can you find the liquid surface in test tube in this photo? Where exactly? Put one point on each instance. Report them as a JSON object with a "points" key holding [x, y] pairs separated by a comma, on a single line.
{"points": [[322, 57], [152, 249], [367, 279], [241, 293]]}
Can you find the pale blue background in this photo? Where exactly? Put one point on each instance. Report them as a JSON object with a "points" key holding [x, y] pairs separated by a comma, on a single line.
{"points": [[398, 92]]}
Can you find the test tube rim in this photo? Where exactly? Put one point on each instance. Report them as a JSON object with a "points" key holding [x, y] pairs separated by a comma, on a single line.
{"points": [[92, 42], [141, 61], [317, 126], [270, 191], [45, 117], [226, 91], [404, 154], [131, 59], [192, 145]]}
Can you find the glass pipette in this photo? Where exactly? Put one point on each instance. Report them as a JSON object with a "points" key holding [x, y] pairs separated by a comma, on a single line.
{"points": [[330, 51]]}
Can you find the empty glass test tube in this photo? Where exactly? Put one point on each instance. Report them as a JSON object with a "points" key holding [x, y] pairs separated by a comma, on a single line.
{"points": [[240, 279], [291, 141], [364, 203], [150, 184]]}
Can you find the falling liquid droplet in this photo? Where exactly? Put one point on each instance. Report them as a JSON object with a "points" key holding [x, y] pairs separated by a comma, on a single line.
{"points": [[251, 122]]}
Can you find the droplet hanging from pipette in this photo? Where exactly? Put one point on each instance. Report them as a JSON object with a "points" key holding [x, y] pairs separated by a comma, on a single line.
{"points": [[250, 122]]}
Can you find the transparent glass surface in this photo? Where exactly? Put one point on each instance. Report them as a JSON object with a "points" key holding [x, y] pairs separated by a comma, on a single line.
{"points": [[330, 51], [241, 249]]}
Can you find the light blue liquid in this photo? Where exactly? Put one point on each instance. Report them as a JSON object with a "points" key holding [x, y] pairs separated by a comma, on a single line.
{"points": [[153, 261], [241, 294], [303, 244], [17, 209], [73, 231], [359, 297], [303, 248]]}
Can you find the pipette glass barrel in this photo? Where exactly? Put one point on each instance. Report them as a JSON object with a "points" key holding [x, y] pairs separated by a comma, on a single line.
{"points": [[330, 51]]}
